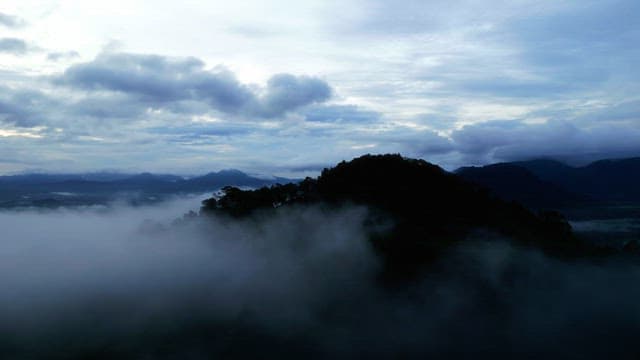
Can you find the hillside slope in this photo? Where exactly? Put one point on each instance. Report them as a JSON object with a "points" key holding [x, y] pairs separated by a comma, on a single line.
{"points": [[429, 209], [517, 183]]}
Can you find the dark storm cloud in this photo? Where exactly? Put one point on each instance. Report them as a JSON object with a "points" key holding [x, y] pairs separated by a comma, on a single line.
{"points": [[11, 21], [164, 81], [13, 46]]}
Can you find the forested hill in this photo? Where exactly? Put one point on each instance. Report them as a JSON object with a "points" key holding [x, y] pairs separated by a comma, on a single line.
{"points": [[430, 209], [511, 181], [549, 183]]}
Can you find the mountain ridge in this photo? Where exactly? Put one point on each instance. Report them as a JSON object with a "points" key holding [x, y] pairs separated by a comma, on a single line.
{"points": [[430, 209], [609, 180]]}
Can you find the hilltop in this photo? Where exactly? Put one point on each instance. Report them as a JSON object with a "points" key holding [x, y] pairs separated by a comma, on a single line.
{"points": [[426, 208]]}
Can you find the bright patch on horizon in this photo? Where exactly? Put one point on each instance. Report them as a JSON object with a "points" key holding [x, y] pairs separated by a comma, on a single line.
{"points": [[20, 134]]}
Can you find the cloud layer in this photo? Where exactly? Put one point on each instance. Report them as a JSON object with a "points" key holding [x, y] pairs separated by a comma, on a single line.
{"points": [[161, 81], [449, 81]]}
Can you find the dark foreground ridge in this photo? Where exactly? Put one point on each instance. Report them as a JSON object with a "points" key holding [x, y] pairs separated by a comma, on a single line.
{"points": [[418, 209]]}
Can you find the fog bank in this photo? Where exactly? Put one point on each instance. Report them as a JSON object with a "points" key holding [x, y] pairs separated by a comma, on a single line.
{"points": [[300, 282]]}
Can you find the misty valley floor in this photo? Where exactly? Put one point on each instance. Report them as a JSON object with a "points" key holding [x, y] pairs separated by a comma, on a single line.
{"points": [[83, 283]]}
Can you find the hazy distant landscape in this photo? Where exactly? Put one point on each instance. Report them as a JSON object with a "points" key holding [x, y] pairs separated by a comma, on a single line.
{"points": [[69, 190], [601, 200]]}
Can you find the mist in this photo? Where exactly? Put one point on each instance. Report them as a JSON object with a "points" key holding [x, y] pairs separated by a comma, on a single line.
{"points": [[126, 282]]}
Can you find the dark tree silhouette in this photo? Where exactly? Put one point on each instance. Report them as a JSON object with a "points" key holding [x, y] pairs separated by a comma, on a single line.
{"points": [[430, 209]]}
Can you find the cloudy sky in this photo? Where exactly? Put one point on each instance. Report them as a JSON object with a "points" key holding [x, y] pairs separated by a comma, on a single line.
{"points": [[288, 87]]}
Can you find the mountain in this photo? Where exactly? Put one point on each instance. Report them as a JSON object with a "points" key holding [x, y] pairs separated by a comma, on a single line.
{"points": [[37, 178], [615, 180], [53, 190], [217, 180], [604, 180], [422, 209], [546, 169], [517, 183]]}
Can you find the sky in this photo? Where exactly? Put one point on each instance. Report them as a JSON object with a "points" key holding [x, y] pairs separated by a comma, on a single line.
{"points": [[289, 87]]}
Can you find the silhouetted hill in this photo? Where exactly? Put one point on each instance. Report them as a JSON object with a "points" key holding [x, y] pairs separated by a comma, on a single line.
{"points": [[610, 179], [547, 170], [148, 177], [605, 180], [429, 209], [513, 182], [217, 180]]}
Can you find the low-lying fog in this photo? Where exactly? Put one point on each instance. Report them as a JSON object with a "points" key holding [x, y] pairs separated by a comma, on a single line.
{"points": [[106, 283], [625, 225]]}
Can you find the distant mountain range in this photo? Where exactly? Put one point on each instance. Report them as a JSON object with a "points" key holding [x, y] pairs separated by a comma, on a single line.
{"points": [[550, 183], [535, 183], [52, 190]]}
